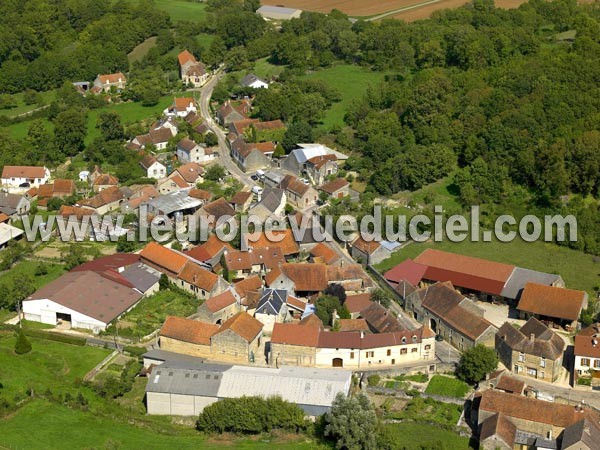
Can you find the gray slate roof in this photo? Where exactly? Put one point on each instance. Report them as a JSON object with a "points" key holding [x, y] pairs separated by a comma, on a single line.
{"points": [[249, 79], [271, 301], [546, 343], [520, 277], [174, 201], [143, 277]]}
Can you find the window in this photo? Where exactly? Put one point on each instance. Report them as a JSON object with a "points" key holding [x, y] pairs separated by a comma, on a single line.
{"points": [[413, 350], [597, 363], [585, 361], [351, 355], [389, 352], [428, 347], [403, 351], [542, 362], [370, 354], [393, 361], [521, 357]]}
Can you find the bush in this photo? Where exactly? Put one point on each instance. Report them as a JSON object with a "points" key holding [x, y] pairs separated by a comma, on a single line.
{"points": [[22, 345], [73, 340], [134, 351], [251, 415], [373, 380]]}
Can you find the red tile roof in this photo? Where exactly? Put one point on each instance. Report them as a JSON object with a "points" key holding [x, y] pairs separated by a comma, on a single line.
{"points": [[23, 172], [295, 334], [106, 179], [186, 57], [240, 198], [103, 198], [281, 238], [356, 303], [182, 103], [209, 249], [552, 301], [250, 284], [465, 271], [187, 330], [218, 302], [244, 325], [333, 186], [293, 184], [67, 211], [112, 78], [163, 257], [587, 342], [324, 251], [353, 325], [195, 275], [499, 425], [190, 172], [408, 270]]}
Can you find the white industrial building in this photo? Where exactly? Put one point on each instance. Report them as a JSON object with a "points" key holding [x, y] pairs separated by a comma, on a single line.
{"points": [[184, 388]]}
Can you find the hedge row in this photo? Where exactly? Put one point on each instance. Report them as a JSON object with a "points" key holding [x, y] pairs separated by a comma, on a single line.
{"points": [[73, 340]]}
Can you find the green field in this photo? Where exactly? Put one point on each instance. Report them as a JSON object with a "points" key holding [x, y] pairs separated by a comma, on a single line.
{"points": [[415, 436], [577, 268], [446, 386], [21, 108], [181, 10], [150, 314], [352, 83], [141, 50], [265, 70], [50, 364], [28, 268], [100, 432]]}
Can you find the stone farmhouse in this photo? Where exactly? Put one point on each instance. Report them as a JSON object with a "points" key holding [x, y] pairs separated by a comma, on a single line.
{"points": [[191, 71], [25, 176], [105, 83]]}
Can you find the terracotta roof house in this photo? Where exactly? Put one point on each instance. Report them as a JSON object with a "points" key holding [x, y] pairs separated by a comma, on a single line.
{"points": [[299, 344], [251, 156], [104, 201], [298, 193], [233, 111], [109, 81], [104, 181], [172, 183], [324, 254], [181, 107], [380, 320], [187, 330], [199, 281], [472, 274], [191, 71], [241, 201], [243, 325], [530, 415], [449, 314], [200, 194], [4, 218], [553, 304], [338, 188], [283, 239], [216, 214], [191, 172], [190, 151], [407, 270], [320, 167], [534, 350], [87, 299], [166, 260], [159, 138], [153, 168], [272, 203], [587, 350], [520, 277], [209, 252], [219, 308], [497, 433], [16, 176], [249, 290], [356, 303], [353, 325], [258, 261], [372, 252], [60, 188], [502, 381]]}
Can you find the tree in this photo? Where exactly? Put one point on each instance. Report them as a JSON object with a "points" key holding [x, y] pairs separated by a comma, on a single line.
{"points": [[22, 345], [214, 173], [109, 124], [326, 305], [476, 362], [336, 290], [298, 132], [211, 140], [74, 257], [163, 282], [352, 423], [70, 131], [382, 297]]}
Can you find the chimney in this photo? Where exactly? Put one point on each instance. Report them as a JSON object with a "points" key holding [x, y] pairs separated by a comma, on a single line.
{"points": [[532, 337]]}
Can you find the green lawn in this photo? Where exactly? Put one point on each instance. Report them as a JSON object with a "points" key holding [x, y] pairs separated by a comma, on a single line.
{"points": [[577, 268], [416, 436], [98, 431], [352, 83], [50, 364], [21, 108], [446, 386], [181, 10], [141, 50], [264, 69], [28, 268], [428, 410], [150, 314]]}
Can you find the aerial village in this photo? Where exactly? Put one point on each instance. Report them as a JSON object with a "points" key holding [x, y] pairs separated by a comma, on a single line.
{"points": [[302, 319]]}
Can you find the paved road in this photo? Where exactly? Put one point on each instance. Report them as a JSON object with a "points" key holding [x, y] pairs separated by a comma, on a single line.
{"points": [[224, 155]]}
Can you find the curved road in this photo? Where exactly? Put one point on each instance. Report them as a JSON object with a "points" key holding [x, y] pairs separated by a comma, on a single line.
{"points": [[224, 155]]}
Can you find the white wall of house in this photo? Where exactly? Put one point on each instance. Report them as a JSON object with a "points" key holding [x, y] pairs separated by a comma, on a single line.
{"points": [[381, 356], [34, 182], [156, 171], [584, 363], [45, 310], [176, 404]]}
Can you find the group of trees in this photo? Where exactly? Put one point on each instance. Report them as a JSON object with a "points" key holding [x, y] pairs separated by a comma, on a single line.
{"points": [[43, 42]]}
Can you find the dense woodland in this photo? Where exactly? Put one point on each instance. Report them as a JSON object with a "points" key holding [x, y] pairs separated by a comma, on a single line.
{"points": [[506, 101]]}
